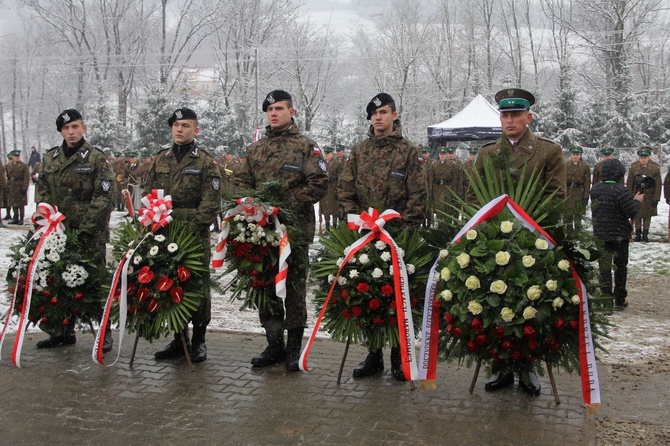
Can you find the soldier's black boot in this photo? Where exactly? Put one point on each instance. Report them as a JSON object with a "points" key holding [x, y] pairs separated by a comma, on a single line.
{"points": [[198, 347], [174, 349], [529, 383], [293, 349], [638, 235], [499, 380], [373, 364], [8, 215], [645, 235], [15, 220], [620, 303], [58, 341], [396, 364], [275, 352]]}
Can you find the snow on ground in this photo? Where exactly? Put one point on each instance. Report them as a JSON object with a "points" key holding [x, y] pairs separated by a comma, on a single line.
{"points": [[645, 259]]}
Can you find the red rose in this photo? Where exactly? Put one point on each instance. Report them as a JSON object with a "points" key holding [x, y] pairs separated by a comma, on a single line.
{"points": [[54, 300], [437, 303], [44, 320], [472, 346], [51, 280], [183, 273], [498, 332], [164, 283], [65, 322], [177, 294], [528, 331], [553, 344], [559, 324], [374, 304], [392, 304], [46, 293], [573, 324], [378, 321], [19, 308], [142, 294], [476, 325], [530, 358], [363, 287], [41, 309], [346, 314], [457, 332], [145, 275], [449, 318], [480, 339], [344, 294], [387, 290], [79, 296], [154, 305], [533, 344], [22, 279], [76, 311], [492, 353], [507, 345], [393, 320], [516, 355], [356, 311], [413, 302]]}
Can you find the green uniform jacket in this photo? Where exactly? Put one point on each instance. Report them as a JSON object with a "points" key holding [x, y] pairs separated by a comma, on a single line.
{"points": [[636, 171], [329, 204], [294, 158], [384, 172], [82, 186], [578, 184], [18, 180], [442, 179], [194, 184], [534, 154]]}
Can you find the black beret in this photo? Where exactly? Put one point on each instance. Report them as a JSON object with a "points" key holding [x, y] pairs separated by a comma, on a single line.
{"points": [[380, 100], [275, 96], [66, 117], [182, 113]]}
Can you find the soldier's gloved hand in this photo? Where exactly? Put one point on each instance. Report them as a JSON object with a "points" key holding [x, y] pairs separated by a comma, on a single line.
{"points": [[654, 203]]}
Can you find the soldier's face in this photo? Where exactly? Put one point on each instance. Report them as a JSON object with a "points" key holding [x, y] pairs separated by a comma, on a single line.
{"points": [[644, 160], [328, 156], [279, 115], [382, 120], [451, 155], [184, 131], [514, 123], [575, 157], [442, 156], [473, 156], [73, 132]]}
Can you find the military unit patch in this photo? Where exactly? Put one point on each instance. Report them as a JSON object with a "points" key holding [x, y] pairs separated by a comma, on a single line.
{"points": [[216, 184], [192, 171], [106, 185], [323, 166], [377, 101], [178, 114], [66, 117], [397, 174]]}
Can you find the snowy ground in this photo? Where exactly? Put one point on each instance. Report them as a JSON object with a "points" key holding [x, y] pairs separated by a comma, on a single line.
{"points": [[645, 259]]}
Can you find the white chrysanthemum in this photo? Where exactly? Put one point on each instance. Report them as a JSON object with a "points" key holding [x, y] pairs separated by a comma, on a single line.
{"points": [[172, 247], [385, 256], [364, 259], [380, 245], [130, 253], [411, 269], [53, 256], [341, 281], [137, 259], [74, 276], [153, 251], [346, 250], [353, 274], [377, 273], [339, 261], [159, 238], [391, 270], [239, 217], [331, 277]]}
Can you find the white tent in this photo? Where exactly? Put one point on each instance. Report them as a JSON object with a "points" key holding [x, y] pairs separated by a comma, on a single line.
{"points": [[479, 120]]}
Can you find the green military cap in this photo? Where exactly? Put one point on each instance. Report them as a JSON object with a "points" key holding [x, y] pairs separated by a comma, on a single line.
{"points": [[606, 151], [513, 99], [451, 149], [339, 147], [644, 151], [241, 152], [473, 150], [117, 153], [442, 149], [15, 153], [328, 149], [576, 150], [145, 152], [425, 149], [131, 153]]}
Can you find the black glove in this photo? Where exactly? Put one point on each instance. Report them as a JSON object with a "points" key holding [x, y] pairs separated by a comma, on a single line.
{"points": [[654, 203]]}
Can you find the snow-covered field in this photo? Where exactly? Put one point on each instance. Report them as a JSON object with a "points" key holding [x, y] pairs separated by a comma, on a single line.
{"points": [[646, 258]]}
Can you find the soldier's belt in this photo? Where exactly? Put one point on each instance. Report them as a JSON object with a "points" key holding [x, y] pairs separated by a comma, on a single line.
{"points": [[575, 184], [442, 182]]}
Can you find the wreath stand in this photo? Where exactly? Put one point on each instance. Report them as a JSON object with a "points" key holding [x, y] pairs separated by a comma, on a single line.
{"points": [[344, 358], [183, 343], [554, 389]]}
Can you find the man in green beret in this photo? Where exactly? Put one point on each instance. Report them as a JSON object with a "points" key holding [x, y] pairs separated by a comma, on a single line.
{"points": [[644, 176], [519, 150], [578, 182]]}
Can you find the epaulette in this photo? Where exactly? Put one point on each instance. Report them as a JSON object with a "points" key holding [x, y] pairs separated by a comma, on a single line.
{"points": [[489, 144], [542, 138]]}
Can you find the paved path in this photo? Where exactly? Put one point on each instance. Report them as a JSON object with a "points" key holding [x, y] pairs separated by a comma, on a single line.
{"points": [[61, 397]]}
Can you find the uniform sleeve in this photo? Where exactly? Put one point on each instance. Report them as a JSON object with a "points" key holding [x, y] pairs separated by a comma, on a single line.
{"points": [[245, 177], [96, 218], [415, 208], [657, 187], [587, 182], [26, 178], [211, 193], [316, 178]]}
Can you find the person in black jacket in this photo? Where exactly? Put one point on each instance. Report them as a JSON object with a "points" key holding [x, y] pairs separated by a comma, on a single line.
{"points": [[612, 207]]}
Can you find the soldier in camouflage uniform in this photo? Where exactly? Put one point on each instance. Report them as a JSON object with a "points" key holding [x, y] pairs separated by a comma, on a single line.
{"points": [[18, 180], [445, 178], [384, 172], [78, 179], [518, 148], [578, 183], [287, 155], [644, 176], [329, 206], [192, 178]]}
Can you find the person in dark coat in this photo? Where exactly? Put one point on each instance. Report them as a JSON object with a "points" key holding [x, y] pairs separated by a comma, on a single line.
{"points": [[18, 180], [612, 207]]}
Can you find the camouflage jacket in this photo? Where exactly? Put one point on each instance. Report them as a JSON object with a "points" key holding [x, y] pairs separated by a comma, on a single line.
{"points": [[292, 157], [532, 154], [384, 172], [82, 186], [194, 184]]}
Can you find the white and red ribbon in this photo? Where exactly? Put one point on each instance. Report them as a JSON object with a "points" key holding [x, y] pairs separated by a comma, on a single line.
{"points": [[373, 221], [428, 353], [129, 202], [47, 220], [156, 211], [261, 215]]}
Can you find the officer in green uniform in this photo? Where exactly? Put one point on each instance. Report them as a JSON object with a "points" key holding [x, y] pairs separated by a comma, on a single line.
{"points": [[644, 176], [467, 168], [445, 179], [18, 180], [578, 183], [78, 179], [287, 155], [192, 178], [607, 153], [520, 150]]}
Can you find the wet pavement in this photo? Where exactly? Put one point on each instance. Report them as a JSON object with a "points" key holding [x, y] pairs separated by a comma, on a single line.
{"points": [[60, 396]]}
